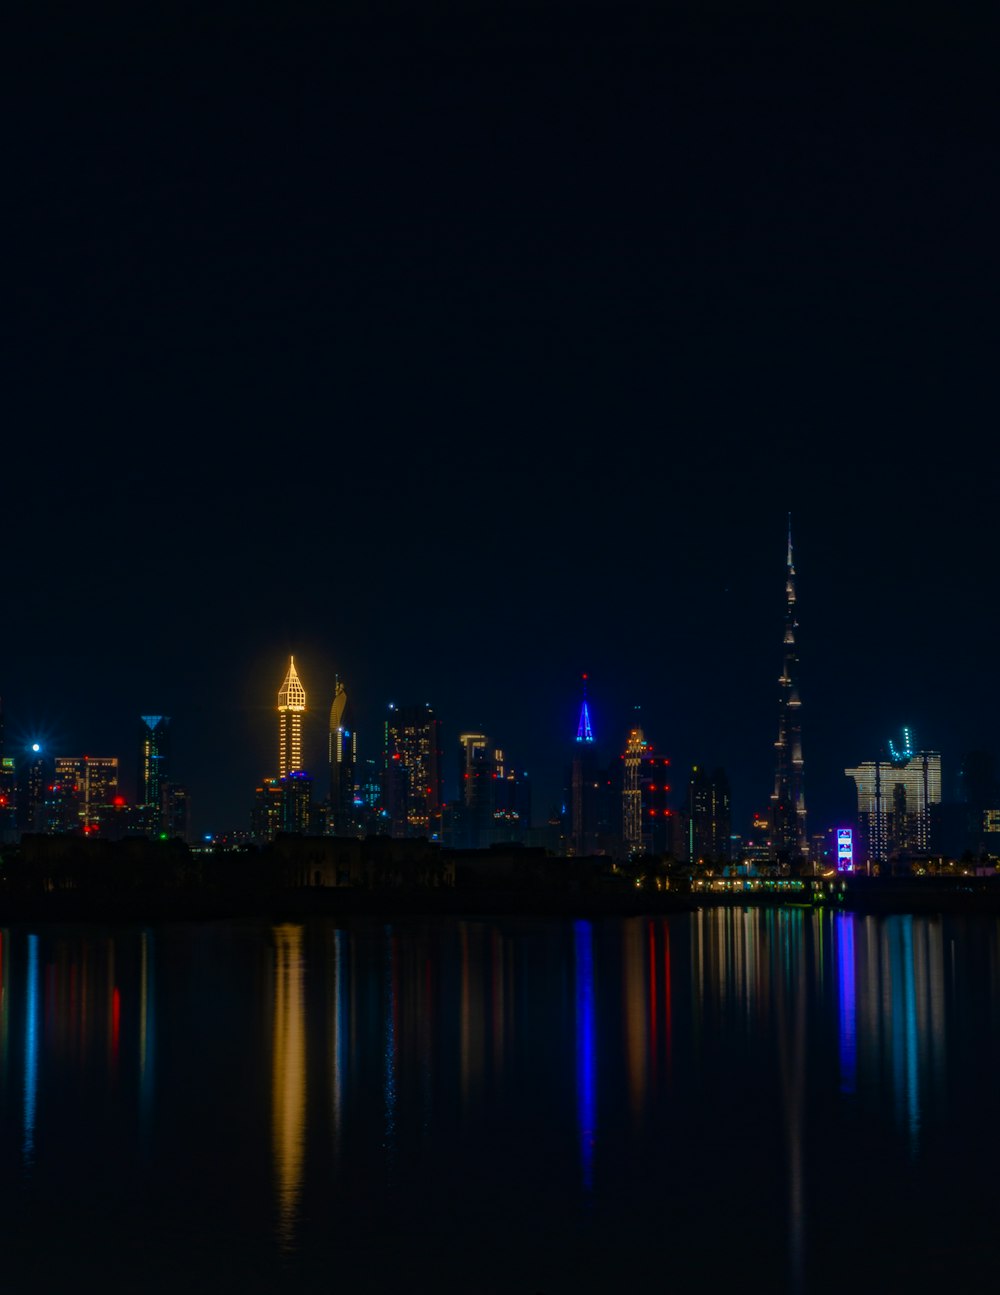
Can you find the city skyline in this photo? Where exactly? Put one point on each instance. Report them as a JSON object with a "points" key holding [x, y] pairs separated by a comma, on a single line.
{"points": [[313, 749]]}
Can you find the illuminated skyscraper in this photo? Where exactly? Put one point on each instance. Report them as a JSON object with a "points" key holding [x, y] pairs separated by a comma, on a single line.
{"points": [[588, 786], [646, 826], [291, 708], [154, 767], [473, 751], [33, 776], [266, 816], [343, 760], [632, 792], [8, 790], [788, 802], [896, 799], [413, 785], [472, 813], [88, 783], [708, 816]]}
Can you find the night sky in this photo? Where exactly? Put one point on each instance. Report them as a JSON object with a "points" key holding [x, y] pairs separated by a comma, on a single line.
{"points": [[461, 348]]}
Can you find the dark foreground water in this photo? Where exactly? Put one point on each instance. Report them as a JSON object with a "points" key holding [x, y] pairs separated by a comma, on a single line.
{"points": [[780, 1099]]}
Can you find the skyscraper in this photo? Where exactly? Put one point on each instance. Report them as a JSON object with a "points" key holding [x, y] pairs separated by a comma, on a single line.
{"points": [[632, 793], [291, 708], [788, 802], [413, 784], [154, 767], [472, 813], [896, 799], [8, 790], [587, 788], [645, 813], [88, 785], [33, 776], [343, 751], [708, 816]]}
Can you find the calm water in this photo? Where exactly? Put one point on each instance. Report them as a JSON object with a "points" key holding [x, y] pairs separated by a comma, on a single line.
{"points": [[782, 1099]]}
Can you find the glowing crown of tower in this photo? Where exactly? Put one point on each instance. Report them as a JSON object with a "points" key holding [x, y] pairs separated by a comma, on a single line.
{"points": [[291, 694], [584, 733]]}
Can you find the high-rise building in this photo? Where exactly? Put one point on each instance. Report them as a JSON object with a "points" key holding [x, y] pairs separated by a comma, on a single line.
{"points": [[472, 814], [646, 827], [587, 788], [154, 768], [371, 795], [343, 753], [33, 778], [493, 805], [979, 805], [88, 784], [413, 779], [709, 819], [896, 800], [296, 801], [267, 814], [175, 812], [632, 792], [8, 790], [472, 749], [291, 708], [788, 802], [511, 800]]}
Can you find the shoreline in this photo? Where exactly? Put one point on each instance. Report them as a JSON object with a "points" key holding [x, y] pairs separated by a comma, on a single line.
{"points": [[875, 897]]}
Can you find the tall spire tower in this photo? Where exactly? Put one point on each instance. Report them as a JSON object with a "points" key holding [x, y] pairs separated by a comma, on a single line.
{"points": [[584, 733], [291, 708], [788, 802]]}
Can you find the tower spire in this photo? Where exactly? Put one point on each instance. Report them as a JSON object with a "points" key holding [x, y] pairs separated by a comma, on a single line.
{"points": [[584, 733], [788, 805]]}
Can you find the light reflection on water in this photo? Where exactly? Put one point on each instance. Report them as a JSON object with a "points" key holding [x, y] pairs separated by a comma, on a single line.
{"points": [[289, 1084], [495, 1070]]}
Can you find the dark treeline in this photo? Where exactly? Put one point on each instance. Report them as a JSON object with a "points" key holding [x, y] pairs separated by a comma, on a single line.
{"points": [[68, 877]]}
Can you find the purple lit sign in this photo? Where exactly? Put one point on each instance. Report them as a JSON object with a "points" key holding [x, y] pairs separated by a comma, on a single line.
{"points": [[845, 849]]}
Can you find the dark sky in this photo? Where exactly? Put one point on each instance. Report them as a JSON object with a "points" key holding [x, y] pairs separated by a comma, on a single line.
{"points": [[460, 348]]}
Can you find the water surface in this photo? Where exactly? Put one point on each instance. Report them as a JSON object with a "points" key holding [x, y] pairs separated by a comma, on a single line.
{"points": [[789, 1099]]}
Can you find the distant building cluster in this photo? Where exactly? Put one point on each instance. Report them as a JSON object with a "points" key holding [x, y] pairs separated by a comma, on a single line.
{"points": [[79, 795], [619, 806], [619, 800]]}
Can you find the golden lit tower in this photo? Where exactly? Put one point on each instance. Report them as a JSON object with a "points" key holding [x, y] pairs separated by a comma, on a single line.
{"points": [[291, 708], [635, 748]]}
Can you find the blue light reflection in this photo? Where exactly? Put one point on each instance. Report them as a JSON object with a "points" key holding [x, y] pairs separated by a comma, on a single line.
{"points": [[586, 1064]]}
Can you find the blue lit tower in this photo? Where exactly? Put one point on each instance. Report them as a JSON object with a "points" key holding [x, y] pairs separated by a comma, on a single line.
{"points": [[586, 786], [788, 802]]}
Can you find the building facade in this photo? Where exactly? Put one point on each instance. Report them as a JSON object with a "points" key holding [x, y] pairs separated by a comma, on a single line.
{"points": [[413, 788], [343, 756], [709, 818], [153, 768], [896, 804]]}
